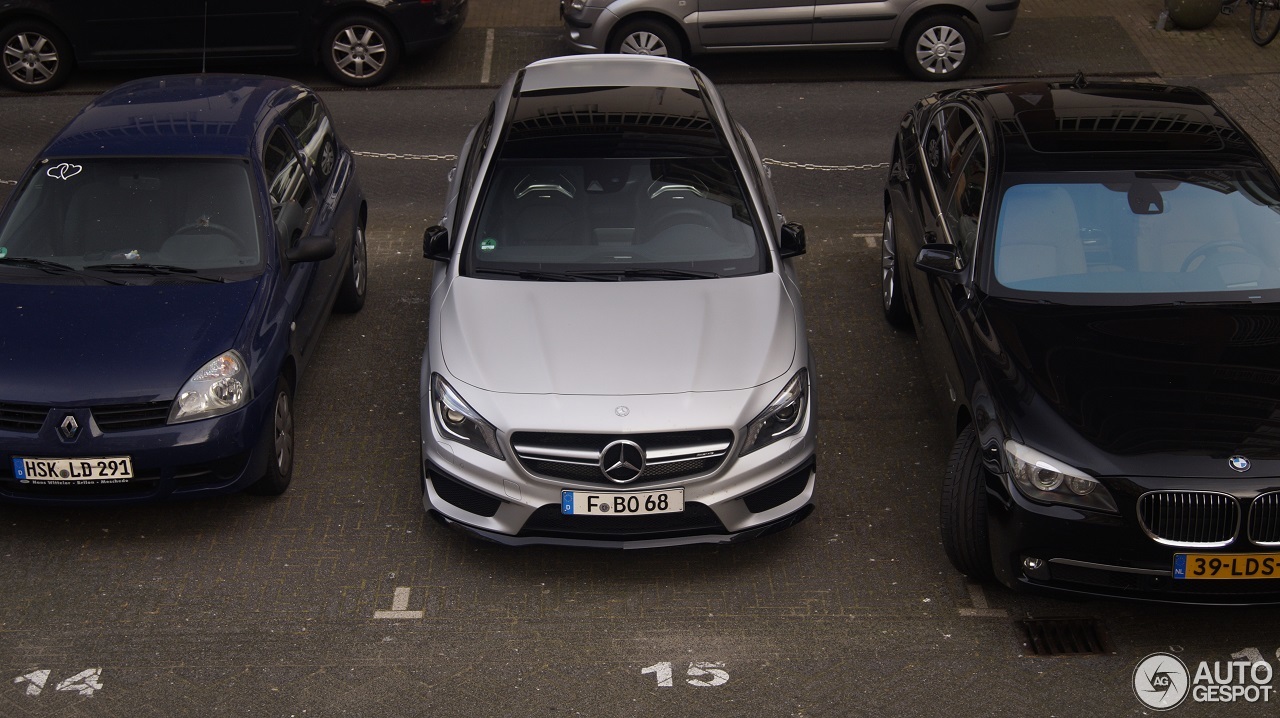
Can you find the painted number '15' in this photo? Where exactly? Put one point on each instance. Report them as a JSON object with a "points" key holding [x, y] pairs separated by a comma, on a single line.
{"points": [[702, 674]]}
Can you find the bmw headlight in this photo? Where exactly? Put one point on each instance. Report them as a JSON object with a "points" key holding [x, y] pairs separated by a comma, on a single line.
{"points": [[1043, 478], [782, 418], [459, 422], [219, 387]]}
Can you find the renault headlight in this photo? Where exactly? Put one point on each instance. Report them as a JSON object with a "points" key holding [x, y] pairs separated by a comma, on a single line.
{"points": [[219, 387], [1043, 478], [457, 421], [782, 418]]}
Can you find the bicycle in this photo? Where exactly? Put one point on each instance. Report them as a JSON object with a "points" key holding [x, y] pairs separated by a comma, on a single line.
{"points": [[1264, 18]]}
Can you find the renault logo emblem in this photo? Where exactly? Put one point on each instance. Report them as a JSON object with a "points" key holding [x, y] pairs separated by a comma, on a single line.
{"points": [[69, 428], [1239, 463], [622, 461]]}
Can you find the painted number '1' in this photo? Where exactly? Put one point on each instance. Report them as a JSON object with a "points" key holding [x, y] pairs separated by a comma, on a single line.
{"points": [[702, 674]]}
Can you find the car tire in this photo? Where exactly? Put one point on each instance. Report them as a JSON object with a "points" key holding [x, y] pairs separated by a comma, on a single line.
{"points": [[35, 56], [963, 515], [277, 439], [939, 47], [356, 280], [895, 307], [360, 51], [647, 37]]}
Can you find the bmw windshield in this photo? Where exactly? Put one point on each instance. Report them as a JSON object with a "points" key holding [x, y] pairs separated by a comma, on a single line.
{"points": [[1139, 237]]}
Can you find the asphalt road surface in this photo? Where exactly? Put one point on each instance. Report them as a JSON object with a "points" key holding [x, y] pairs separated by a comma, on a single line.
{"points": [[343, 598]]}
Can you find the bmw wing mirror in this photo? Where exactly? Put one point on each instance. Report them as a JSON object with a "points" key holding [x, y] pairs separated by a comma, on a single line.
{"points": [[316, 248], [940, 260], [435, 244], [792, 240]]}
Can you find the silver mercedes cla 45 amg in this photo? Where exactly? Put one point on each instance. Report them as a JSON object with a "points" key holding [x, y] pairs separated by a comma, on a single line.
{"points": [[616, 352]]}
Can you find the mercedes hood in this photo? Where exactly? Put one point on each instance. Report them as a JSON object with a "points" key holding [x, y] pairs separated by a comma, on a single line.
{"points": [[618, 338]]}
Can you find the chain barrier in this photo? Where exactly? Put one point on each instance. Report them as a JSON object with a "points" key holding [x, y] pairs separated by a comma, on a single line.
{"points": [[402, 156], [824, 168], [767, 160]]}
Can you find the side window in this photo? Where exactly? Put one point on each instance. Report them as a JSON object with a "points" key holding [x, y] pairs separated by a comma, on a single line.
{"points": [[311, 125], [292, 200], [945, 143], [963, 204]]}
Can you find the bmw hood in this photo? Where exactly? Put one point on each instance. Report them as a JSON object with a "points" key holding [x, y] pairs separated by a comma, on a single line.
{"points": [[618, 338], [1175, 381], [74, 344]]}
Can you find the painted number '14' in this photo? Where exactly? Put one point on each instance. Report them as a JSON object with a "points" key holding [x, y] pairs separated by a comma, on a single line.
{"points": [[702, 674]]}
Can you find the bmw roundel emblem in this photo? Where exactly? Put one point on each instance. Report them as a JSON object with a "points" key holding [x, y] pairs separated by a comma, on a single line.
{"points": [[1239, 463]]}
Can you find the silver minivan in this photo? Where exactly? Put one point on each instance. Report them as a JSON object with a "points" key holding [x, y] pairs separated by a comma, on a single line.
{"points": [[938, 38]]}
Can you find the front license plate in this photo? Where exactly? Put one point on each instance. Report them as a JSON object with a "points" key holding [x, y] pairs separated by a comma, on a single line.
{"points": [[1226, 566], [632, 503], [100, 470]]}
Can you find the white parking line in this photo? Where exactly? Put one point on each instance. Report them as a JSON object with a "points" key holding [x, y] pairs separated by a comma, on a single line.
{"points": [[487, 67], [980, 609], [872, 240], [399, 602]]}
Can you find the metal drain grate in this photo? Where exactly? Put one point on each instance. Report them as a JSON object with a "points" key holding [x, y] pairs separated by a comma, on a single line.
{"points": [[1065, 637]]}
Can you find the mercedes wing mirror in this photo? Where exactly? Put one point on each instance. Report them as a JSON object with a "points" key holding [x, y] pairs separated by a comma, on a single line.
{"points": [[792, 240], [435, 243]]}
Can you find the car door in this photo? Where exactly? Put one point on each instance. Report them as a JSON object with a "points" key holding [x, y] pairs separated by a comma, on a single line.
{"points": [[955, 155], [256, 28], [134, 30], [855, 21], [294, 208], [725, 23]]}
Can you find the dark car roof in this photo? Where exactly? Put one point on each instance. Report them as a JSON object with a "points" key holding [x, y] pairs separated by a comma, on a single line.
{"points": [[174, 115], [1069, 126]]}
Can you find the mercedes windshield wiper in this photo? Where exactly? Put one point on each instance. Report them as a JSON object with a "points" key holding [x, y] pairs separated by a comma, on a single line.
{"points": [[645, 272], [152, 269], [47, 266], [531, 274]]}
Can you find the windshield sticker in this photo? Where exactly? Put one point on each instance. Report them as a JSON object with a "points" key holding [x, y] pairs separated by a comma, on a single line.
{"points": [[488, 244], [64, 171]]}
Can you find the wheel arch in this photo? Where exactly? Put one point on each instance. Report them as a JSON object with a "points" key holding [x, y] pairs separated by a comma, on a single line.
{"points": [[18, 14], [652, 16], [924, 9]]}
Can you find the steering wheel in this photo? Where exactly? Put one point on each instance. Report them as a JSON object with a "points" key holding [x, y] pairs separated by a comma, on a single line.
{"points": [[1214, 248], [203, 227]]}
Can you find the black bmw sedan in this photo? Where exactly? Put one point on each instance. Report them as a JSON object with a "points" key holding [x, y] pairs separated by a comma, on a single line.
{"points": [[1093, 274]]}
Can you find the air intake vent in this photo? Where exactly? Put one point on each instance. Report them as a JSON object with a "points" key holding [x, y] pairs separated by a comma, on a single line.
{"points": [[1264, 520], [22, 417], [1193, 519], [123, 417], [1065, 637]]}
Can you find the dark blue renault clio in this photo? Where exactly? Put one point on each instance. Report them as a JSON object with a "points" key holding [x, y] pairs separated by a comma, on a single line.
{"points": [[166, 266]]}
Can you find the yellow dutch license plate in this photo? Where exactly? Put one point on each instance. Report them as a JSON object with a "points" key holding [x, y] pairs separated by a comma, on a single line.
{"points": [[1226, 565]]}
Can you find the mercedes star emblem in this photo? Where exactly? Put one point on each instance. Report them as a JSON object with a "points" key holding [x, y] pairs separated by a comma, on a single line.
{"points": [[622, 461]]}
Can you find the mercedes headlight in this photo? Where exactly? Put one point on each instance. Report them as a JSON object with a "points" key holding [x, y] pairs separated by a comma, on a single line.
{"points": [[457, 421], [1043, 478], [218, 388], [782, 418]]}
